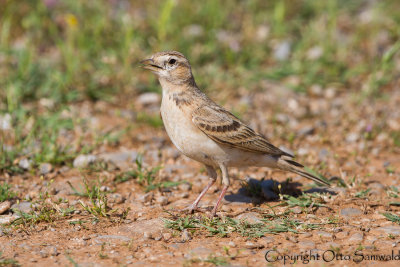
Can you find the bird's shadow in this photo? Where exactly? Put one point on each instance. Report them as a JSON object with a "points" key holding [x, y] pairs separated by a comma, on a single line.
{"points": [[258, 192]]}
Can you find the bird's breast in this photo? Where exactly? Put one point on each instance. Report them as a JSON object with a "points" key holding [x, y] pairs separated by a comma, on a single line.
{"points": [[185, 135]]}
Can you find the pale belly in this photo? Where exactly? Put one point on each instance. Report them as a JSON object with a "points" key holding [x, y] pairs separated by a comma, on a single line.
{"points": [[187, 138], [193, 143]]}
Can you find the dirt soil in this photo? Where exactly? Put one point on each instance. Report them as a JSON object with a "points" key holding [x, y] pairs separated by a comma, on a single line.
{"points": [[337, 133]]}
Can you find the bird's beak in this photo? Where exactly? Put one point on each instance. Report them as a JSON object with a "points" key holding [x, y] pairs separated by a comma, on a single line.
{"points": [[149, 64]]}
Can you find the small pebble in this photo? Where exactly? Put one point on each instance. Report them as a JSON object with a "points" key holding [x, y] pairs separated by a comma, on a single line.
{"points": [[356, 238], [43, 253], [162, 200], [252, 245], [105, 189], [341, 235], [83, 161], [4, 206], [350, 212], [45, 168], [232, 244], [146, 197], [185, 187], [186, 236], [147, 235], [25, 164], [167, 236]]}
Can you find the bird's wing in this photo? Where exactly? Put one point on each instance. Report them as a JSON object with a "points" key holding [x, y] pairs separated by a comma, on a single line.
{"points": [[224, 128]]}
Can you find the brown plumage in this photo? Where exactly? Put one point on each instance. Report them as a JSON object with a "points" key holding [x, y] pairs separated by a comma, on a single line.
{"points": [[206, 132]]}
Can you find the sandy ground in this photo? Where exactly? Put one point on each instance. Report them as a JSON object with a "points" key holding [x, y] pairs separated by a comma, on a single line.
{"points": [[334, 132]]}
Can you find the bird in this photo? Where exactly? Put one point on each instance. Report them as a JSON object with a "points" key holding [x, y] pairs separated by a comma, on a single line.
{"points": [[206, 132]]}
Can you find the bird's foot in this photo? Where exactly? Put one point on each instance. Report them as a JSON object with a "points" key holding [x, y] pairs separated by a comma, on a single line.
{"points": [[191, 209]]}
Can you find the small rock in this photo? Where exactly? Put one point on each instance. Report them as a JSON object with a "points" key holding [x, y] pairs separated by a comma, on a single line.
{"points": [[45, 168], [384, 243], [201, 252], [302, 151], [193, 30], [104, 188], [6, 219], [186, 236], [330, 92], [252, 245], [5, 122], [25, 164], [53, 251], [324, 234], [64, 169], [370, 240], [167, 236], [356, 238], [323, 154], [146, 197], [297, 210], [111, 238], [153, 226], [226, 208], [331, 245], [232, 244], [147, 235], [148, 99], [307, 130], [376, 188], [389, 230], [24, 206], [262, 32], [316, 90], [282, 50], [185, 187], [183, 195], [306, 235], [43, 253], [350, 212], [266, 240], [282, 118], [162, 200], [292, 239], [4, 206], [83, 161], [315, 52], [119, 158], [341, 235], [116, 198], [352, 137], [306, 245], [250, 217]]}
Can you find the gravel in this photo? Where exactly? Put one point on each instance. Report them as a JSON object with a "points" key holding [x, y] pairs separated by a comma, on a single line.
{"points": [[350, 212], [24, 206], [83, 161], [25, 164], [45, 168], [4, 206]]}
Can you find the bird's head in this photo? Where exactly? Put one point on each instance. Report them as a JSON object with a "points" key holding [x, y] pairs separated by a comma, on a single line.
{"points": [[170, 65]]}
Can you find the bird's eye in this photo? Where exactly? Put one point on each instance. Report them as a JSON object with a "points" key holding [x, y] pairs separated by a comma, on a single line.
{"points": [[172, 61]]}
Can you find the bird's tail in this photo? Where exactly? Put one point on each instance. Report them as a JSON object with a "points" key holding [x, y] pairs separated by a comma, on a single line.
{"points": [[287, 164]]}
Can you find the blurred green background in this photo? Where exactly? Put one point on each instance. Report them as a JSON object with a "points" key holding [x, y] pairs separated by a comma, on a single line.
{"points": [[63, 52]]}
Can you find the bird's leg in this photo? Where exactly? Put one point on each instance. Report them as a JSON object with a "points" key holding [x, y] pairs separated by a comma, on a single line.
{"points": [[213, 176], [225, 182]]}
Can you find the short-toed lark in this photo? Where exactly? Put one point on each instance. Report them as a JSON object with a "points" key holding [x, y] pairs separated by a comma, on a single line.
{"points": [[206, 132]]}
